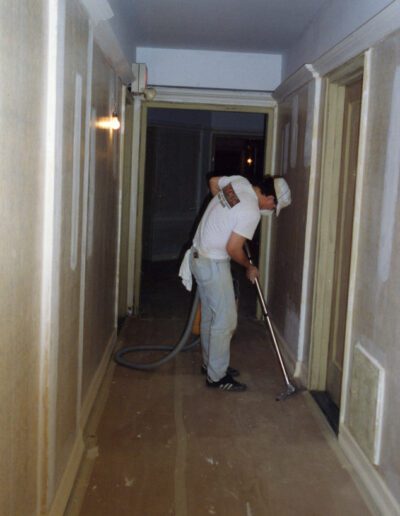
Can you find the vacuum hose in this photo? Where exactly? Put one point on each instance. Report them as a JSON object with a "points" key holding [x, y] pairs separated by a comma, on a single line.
{"points": [[182, 345]]}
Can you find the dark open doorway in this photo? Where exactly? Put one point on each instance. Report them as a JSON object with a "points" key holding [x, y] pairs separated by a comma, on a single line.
{"points": [[239, 154], [183, 147]]}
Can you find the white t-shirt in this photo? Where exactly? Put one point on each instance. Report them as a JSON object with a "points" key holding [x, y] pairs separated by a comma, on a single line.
{"points": [[234, 209]]}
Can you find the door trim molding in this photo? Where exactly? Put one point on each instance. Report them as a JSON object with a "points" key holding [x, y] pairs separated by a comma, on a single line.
{"points": [[324, 262], [361, 167], [252, 99], [377, 28], [296, 81], [135, 174], [245, 102], [309, 246]]}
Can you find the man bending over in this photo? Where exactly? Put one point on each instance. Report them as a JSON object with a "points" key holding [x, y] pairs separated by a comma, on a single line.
{"points": [[230, 218]]}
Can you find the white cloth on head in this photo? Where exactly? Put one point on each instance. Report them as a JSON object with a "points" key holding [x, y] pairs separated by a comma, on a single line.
{"points": [[184, 271], [234, 209]]}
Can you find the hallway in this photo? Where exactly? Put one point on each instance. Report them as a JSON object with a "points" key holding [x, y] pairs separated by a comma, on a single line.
{"points": [[82, 83], [168, 445]]}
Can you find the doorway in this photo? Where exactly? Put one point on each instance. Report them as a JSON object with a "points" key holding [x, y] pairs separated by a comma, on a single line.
{"points": [[182, 148], [241, 154], [335, 237]]}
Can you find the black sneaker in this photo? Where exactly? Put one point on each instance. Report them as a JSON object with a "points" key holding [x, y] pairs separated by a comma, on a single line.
{"points": [[231, 371], [227, 383]]}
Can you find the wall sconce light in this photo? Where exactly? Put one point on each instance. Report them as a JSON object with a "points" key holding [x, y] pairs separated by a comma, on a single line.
{"points": [[115, 123], [110, 123]]}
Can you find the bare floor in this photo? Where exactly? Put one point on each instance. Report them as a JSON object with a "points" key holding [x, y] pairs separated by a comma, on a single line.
{"points": [[168, 445]]}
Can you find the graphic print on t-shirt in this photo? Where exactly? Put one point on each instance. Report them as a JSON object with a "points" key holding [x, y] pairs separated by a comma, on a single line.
{"points": [[227, 196]]}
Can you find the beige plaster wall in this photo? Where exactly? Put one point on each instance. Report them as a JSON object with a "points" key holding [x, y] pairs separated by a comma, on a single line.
{"points": [[376, 322], [21, 192], [78, 362], [289, 228], [101, 259], [49, 378], [375, 305], [75, 62]]}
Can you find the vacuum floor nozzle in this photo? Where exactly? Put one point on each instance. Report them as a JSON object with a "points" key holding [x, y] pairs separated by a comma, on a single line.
{"points": [[290, 390]]}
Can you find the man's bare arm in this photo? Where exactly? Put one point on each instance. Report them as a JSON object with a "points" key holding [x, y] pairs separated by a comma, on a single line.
{"points": [[213, 184], [234, 248]]}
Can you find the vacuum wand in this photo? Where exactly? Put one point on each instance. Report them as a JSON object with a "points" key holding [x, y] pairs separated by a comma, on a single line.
{"points": [[290, 388]]}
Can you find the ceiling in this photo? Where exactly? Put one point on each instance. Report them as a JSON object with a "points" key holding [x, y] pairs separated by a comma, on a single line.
{"points": [[224, 25]]}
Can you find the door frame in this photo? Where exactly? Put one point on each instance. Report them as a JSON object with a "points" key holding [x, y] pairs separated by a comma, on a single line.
{"points": [[332, 139], [172, 98], [125, 179]]}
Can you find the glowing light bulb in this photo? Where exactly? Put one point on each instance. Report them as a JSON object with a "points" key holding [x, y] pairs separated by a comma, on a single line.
{"points": [[115, 123], [249, 161], [110, 123]]}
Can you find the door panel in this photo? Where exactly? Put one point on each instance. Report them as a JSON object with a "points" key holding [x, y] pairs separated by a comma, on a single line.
{"points": [[347, 184]]}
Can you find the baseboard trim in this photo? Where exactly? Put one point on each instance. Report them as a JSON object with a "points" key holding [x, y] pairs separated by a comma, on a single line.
{"points": [[297, 369], [301, 372], [68, 479], [96, 382], [373, 487], [71, 471]]}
